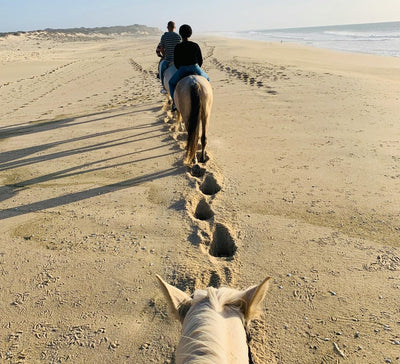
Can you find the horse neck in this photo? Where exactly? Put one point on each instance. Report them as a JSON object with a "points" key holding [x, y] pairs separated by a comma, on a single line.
{"points": [[212, 336]]}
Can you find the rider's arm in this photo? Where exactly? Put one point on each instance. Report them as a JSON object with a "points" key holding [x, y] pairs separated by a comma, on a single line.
{"points": [[177, 57], [160, 51], [161, 45], [199, 56]]}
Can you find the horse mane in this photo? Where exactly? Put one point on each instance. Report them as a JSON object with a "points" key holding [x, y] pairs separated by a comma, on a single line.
{"points": [[214, 322], [202, 334]]}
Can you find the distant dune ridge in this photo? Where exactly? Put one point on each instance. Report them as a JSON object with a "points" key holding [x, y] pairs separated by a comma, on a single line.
{"points": [[135, 29]]}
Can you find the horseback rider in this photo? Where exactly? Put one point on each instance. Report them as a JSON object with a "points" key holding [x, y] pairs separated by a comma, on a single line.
{"points": [[187, 59], [165, 49]]}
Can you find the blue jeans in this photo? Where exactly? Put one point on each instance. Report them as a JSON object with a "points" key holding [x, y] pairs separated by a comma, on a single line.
{"points": [[184, 71], [163, 66]]}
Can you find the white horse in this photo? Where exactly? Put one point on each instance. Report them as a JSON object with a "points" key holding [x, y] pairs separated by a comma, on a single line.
{"points": [[193, 98], [214, 322], [168, 73]]}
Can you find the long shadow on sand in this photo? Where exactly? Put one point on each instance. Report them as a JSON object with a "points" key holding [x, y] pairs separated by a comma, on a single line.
{"points": [[41, 126], [10, 190], [83, 195], [23, 152], [66, 153], [23, 158]]}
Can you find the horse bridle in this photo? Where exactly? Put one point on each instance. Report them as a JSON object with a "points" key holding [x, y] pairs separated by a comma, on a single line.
{"points": [[248, 339]]}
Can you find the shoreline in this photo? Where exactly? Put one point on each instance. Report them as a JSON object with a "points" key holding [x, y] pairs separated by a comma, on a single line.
{"points": [[373, 38], [299, 44]]}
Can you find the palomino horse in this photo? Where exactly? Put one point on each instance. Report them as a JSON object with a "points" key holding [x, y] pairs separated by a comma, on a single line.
{"points": [[214, 322], [193, 98]]}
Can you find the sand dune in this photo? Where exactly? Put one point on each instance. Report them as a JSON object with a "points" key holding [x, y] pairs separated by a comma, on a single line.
{"points": [[302, 185]]}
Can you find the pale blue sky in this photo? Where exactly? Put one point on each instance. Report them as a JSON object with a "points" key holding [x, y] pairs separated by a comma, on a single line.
{"points": [[203, 15]]}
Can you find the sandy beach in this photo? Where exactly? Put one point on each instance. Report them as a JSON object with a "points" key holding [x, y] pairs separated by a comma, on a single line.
{"points": [[302, 185]]}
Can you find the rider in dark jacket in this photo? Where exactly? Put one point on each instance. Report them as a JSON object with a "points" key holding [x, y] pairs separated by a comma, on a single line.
{"points": [[187, 59]]}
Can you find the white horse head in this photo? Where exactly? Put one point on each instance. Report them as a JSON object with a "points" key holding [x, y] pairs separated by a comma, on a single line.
{"points": [[214, 322]]}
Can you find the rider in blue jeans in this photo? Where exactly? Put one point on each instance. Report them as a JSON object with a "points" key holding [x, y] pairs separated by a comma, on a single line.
{"points": [[187, 60]]}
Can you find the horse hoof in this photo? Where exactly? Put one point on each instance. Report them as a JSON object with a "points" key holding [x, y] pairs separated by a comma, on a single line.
{"points": [[204, 159]]}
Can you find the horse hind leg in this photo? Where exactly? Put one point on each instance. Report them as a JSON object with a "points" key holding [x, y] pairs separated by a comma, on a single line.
{"points": [[179, 122], [204, 139], [203, 148]]}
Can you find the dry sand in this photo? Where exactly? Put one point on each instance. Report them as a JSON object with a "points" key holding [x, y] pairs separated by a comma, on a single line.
{"points": [[302, 185]]}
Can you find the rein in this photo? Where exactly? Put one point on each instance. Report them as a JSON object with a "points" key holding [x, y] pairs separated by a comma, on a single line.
{"points": [[248, 339]]}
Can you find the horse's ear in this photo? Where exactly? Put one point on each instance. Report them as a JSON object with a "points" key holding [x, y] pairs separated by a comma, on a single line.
{"points": [[178, 300], [253, 297]]}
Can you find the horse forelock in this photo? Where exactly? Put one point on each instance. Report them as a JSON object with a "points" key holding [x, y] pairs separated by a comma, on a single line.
{"points": [[219, 298], [204, 333]]}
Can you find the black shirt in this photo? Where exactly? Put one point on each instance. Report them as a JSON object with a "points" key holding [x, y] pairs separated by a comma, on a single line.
{"points": [[187, 53]]}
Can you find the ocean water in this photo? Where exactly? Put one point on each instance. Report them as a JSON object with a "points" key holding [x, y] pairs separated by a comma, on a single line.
{"points": [[375, 38]]}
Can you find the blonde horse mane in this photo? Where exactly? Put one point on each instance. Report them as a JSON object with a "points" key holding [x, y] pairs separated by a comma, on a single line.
{"points": [[202, 334], [211, 319]]}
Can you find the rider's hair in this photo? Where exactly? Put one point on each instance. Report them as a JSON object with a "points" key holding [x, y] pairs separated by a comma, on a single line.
{"points": [[171, 24], [185, 31]]}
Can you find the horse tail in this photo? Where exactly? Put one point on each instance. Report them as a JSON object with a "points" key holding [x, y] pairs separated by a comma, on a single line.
{"points": [[194, 122]]}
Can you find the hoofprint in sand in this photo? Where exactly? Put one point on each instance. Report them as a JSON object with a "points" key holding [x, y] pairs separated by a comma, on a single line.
{"points": [[302, 185]]}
